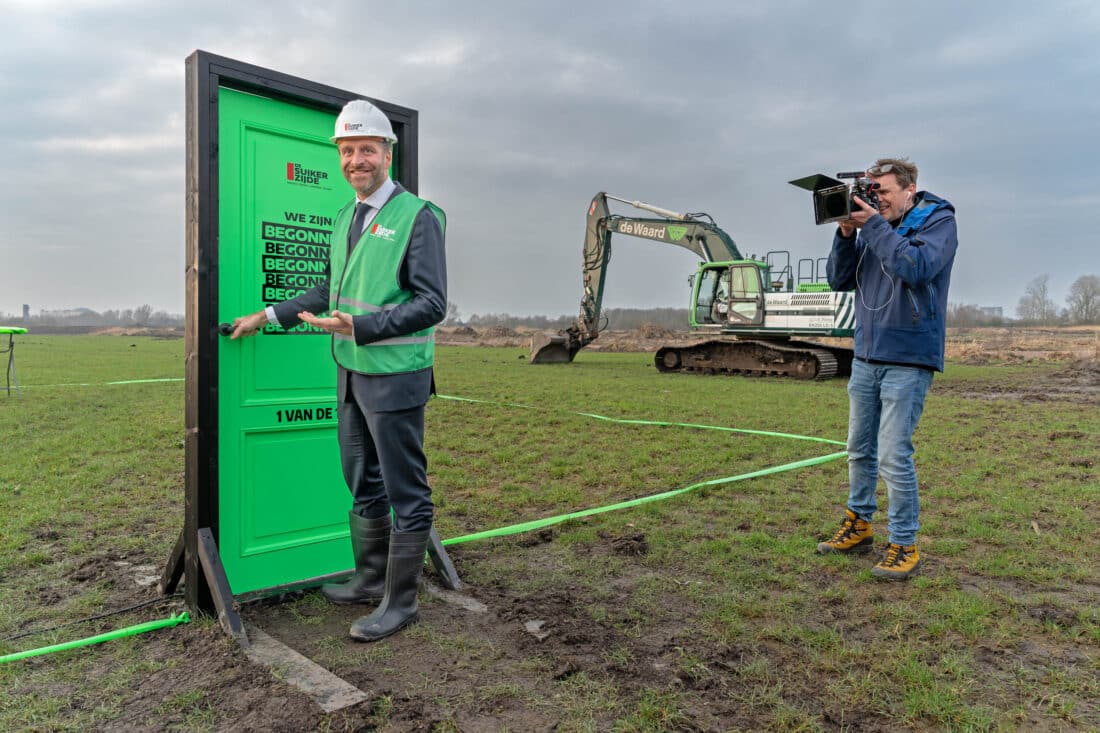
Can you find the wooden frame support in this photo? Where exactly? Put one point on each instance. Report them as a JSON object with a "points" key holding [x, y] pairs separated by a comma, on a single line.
{"points": [[442, 562], [215, 579], [173, 570], [218, 584]]}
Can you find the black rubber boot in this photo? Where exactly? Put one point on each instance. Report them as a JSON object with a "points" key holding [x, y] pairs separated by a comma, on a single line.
{"points": [[370, 543], [398, 609]]}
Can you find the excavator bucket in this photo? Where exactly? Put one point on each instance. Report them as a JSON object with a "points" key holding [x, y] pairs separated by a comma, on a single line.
{"points": [[550, 348]]}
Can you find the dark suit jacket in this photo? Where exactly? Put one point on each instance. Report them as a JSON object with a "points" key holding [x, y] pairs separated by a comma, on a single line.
{"points": [[423, 272]]}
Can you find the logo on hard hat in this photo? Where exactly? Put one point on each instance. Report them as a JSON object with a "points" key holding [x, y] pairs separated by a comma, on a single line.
{"points": [[348, 126]]}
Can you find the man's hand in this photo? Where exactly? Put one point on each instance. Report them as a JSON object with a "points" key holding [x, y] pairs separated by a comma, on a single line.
{"points": [[248, 325], [338, 322], [861, 213]]}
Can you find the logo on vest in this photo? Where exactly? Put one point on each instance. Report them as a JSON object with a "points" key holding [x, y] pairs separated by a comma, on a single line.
{"points": [[382, 232]]}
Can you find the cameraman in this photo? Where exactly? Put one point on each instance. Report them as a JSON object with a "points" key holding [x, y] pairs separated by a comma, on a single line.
{"points": [[898, 260]]}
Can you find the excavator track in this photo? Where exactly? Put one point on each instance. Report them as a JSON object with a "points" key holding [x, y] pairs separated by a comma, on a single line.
{"points": [[795, 359]]}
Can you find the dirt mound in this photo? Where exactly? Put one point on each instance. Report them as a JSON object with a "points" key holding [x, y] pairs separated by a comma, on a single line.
{"points": [[1084, 367], [982, 346], [654, 331], [488, 336], [448, 334], [139, 331]]}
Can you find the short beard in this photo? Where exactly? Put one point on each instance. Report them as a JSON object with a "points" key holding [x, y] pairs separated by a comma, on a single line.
{"points": [[375, 185]]}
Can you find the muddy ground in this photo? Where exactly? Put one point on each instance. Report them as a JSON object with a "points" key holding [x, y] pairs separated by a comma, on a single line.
{"points": [[508, 666], [500, 668]]}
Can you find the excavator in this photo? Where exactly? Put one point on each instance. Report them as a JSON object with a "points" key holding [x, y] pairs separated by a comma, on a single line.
{"points": [[753, 311]]}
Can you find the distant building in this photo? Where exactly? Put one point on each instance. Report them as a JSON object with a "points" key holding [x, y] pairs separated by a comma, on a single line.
{"points": [[26, 313], [992, 311]]}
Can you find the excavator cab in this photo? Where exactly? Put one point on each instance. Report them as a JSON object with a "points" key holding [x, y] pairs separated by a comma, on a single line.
{"points": [[729, 293]]}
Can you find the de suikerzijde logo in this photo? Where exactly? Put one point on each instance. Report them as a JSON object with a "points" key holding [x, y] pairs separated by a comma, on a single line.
{"points": [[298, 173]]}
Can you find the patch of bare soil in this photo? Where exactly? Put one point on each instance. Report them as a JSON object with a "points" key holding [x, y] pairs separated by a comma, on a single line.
{"points": [[508, 668], [977, 346], [164, 333], [494, 670], [1078, 381], [189, 658], [239, 695], [648, 338], [488, 671], [1023, 345]]}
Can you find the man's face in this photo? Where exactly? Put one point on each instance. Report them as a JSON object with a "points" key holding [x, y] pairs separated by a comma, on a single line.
{"points": [[365, 162], [893, 200]]}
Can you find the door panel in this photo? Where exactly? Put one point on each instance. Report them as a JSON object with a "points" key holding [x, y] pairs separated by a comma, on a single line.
{"points": [[282, 501]]}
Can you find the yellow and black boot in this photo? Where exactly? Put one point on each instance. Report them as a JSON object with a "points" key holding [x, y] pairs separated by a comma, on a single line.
{"points": [[854, 536], [899, 562], [398, 608], [370, 546]]}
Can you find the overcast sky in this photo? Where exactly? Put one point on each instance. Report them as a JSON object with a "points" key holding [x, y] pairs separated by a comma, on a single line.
{"points": [[528, 109]]}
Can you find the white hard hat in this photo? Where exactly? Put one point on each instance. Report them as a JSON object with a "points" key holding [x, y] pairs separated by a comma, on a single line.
{"points": [[360, 118]]}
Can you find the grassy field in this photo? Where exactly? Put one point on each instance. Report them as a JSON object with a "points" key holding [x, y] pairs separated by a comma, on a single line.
{"points": [[708, 611]]}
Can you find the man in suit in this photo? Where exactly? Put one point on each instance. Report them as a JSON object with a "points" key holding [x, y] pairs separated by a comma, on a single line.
{"points": [[385, 292]]}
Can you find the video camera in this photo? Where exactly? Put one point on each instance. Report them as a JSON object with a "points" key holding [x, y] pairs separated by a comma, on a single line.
{"points": [[833, 198]]}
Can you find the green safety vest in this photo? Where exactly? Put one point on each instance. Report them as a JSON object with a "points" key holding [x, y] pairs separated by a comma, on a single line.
{"points": [[368, 283]]}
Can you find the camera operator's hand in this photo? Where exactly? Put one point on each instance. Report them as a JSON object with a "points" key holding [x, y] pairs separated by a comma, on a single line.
{"points": [[861, 212], [859, 215]]}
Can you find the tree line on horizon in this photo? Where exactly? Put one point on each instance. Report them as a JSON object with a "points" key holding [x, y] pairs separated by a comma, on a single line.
{"points": [[143, 316], [1035, 307]]}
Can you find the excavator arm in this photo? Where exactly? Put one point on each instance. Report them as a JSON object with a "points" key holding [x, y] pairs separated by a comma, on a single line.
{"points": [[689, 231]]}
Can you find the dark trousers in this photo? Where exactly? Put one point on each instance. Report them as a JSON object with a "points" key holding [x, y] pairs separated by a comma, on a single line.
{"points": [[382, 454]]}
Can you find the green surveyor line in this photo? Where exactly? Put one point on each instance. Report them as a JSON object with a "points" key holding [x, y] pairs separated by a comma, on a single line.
{"points": [[181, 618], [540, 523], [148, 381], [625, 421], [101, 384]]}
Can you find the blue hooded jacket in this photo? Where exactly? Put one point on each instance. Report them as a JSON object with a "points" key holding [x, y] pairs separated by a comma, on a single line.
{"points": [[901, 278]]}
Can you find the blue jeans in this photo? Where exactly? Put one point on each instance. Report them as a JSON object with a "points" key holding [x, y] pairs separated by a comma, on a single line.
{"points": [[885, 404]]}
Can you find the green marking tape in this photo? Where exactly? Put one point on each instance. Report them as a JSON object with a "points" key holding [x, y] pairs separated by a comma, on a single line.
{"points": [[626, 421], [148, 381], [181, 618], [105, 384], [540, 523]]}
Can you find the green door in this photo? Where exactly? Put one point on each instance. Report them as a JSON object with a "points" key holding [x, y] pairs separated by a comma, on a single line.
{"points": [[282, 501]]}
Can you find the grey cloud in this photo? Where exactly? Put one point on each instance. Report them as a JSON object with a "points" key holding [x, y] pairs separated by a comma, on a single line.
{"points": [[528, 109]]}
